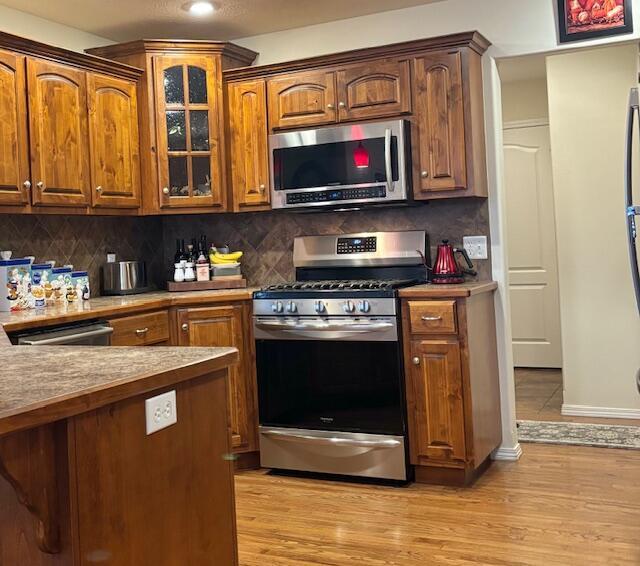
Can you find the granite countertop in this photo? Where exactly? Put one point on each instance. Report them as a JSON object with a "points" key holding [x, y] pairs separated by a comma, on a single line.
{"points": [[101, 307], [50, 383], [461, 290]]}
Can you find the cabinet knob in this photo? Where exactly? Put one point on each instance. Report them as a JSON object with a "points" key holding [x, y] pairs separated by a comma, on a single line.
{"points": [[165, 190], [98, 189], [330, 106], [40, 184], [341, 104], [424, 174], [416, 361], [27, 185], [185, 327], [262, 188]]}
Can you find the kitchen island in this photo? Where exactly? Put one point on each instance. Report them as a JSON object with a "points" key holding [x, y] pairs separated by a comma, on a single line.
{"points": [[82, 483]]}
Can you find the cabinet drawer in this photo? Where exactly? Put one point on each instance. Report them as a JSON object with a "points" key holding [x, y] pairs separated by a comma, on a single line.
{"points": [[140, 330], [433, 317]]}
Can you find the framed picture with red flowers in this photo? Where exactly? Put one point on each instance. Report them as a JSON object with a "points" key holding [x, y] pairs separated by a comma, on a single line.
{"points": [[590, 19]]}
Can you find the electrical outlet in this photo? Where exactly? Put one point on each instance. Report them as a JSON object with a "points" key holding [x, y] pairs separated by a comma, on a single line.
{"points": [[476, 246], [161, 411]]}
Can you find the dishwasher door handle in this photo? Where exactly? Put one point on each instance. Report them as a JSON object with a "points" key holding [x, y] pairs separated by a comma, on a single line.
{"points": [[69, 338]]}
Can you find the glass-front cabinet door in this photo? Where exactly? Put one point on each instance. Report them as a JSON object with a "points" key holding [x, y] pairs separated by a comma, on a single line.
{"points": [[188, 131]]}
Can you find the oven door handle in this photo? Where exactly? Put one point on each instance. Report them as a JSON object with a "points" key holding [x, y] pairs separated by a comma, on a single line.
{"points": [[332, 441], [387, 159], [289, 326]]}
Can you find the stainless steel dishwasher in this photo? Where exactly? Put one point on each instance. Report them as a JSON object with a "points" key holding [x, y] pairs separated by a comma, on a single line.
{"points": [[94, 333]]}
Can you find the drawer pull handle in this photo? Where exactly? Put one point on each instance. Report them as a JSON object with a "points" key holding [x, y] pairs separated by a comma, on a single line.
{"points": [[141, 331], [431, 318]]}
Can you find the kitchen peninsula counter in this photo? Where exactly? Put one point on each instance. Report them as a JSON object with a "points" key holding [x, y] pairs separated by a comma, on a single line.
{"points": [[80, 480]]}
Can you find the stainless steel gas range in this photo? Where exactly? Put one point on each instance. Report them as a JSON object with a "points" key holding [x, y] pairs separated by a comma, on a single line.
{"points": [[329, 356]]}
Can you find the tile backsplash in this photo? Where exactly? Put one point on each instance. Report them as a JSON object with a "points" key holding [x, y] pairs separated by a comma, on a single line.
{"points": [[84, 241], [267, 237]]}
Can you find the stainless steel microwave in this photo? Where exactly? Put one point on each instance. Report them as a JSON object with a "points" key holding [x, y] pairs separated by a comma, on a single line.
{"points": [[341, 167]]}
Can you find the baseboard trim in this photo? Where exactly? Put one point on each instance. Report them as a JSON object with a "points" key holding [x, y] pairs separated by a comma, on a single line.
{"points": [[509, 453], [602, 412]]}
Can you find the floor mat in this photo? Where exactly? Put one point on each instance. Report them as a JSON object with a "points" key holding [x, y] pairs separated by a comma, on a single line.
{"points": [[581, 434]]}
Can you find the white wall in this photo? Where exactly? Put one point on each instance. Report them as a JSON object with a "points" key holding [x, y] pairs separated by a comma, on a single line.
{"points": [[525, 100], [516, 27], [45, 31], [588, 93]]}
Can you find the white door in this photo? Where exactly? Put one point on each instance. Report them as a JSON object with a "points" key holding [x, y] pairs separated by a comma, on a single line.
{"points": [[533, 260]]}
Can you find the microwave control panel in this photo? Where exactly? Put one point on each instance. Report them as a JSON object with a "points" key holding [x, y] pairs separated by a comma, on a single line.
{"points": [[357, 245], [336, 195]]}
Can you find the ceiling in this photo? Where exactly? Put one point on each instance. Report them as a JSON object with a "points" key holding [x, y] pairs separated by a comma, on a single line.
{"points": [[524, 68], [123, 20]]}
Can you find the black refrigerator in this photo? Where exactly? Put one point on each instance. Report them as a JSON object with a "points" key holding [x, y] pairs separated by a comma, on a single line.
{"points": [[632, 207]]}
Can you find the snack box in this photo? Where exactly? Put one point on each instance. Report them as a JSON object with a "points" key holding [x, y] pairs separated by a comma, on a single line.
{"points": [[80, 282], [60, 281], [15, 282]]}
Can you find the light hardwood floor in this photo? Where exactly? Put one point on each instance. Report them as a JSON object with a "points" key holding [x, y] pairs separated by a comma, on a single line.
{"points": [[539, 398], [557, 506]]}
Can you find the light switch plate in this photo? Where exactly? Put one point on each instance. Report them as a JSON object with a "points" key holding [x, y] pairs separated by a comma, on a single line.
{"points": [[476, 246], [161, 411]]}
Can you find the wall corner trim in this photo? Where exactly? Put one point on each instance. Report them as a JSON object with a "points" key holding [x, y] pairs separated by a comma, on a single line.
{"points": [[602, 412], [508, 453]]}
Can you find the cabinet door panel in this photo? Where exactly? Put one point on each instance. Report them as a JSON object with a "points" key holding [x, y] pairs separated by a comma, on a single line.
{"points": [[302, 99], [224, 326], [375, 90], [113, 130], [14, 153], [249, 149], [58, 134], [188, 130], [436, 405], [440, 117]]}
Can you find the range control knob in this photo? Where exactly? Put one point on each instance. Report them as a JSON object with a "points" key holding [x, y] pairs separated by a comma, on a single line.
{"points": [[364, 306], [320, 307], [292, 307], [349, 307], [277, 307]]}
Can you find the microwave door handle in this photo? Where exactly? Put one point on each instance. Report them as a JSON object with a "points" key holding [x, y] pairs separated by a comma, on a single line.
{"points": [[631, 210], [387, 159]]}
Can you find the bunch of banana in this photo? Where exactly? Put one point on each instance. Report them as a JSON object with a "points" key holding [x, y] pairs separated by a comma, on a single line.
{"points": [[217, 258]]}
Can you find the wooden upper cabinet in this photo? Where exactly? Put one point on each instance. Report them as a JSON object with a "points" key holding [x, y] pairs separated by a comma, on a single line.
{"points": [[59, 139], [14, 153], [249, 147], [188, 123], [374, 90], [440, 116], [435, 402], [114, 143], [302, 99], [227, 326]]}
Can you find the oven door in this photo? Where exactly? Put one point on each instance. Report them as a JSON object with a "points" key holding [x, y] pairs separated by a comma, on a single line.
{"points": [[339, 374], [354, 164]]}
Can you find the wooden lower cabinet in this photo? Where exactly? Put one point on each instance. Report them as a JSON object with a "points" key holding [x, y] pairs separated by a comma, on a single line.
{"points": [[437, 408], [452, 389], [148, 329], [228, 325]]}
